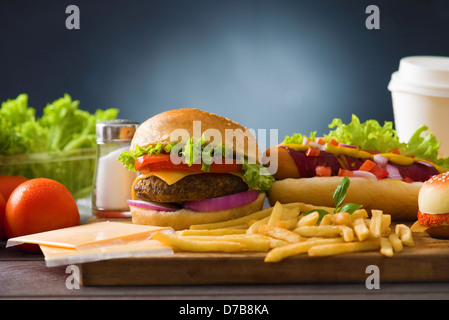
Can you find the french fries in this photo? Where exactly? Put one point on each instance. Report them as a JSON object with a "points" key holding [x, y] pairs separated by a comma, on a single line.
{"points": [[318, 231], [405, 235], [339, 248], [185, 244], [212, 232], [386, 248], [285, 230], [275, 215], [360, 229], [277, 254], [308, 220], [280, 233], [396, 243], [375, 226]]}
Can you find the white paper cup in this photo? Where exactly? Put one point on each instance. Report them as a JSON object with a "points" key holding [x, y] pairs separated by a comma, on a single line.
{"points": [[420, 96]]}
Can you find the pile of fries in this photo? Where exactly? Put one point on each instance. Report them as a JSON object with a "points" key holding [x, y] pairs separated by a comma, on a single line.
{"points": [[285, 230]]}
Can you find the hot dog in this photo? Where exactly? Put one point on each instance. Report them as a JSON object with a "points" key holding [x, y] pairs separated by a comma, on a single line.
{"points": [[385, 174]]}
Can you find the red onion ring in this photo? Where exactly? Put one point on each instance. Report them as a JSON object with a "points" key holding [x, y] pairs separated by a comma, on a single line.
{"points": [[222, 203], [149, 205]]}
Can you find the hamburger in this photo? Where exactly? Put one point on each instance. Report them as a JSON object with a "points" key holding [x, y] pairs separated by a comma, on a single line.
{"points": [[433, 214], [195, 167]]}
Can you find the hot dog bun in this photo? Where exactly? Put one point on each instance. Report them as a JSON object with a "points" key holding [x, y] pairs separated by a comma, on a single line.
{"points": [[397, 198]]}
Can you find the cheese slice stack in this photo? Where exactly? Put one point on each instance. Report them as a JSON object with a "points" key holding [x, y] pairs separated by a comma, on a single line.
{"points": [[96, 241]]}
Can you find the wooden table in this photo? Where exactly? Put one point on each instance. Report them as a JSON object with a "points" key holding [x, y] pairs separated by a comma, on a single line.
{"points": [[25, 276]]}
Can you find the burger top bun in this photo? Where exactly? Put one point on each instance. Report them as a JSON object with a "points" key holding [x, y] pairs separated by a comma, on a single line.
{"points": [[173, 126], [434, 195]]}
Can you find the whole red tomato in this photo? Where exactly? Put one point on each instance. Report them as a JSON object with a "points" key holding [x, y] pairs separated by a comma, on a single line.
{"points": [[9, 183], [39, 205]]}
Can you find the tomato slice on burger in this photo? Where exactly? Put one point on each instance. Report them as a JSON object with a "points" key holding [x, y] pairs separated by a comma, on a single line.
{"points": [[225, 167], [161, 162], [147, 159]]}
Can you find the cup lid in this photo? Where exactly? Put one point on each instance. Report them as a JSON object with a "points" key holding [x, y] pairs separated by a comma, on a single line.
{"points": [[422, 74], [116, 130], [427, 70]]}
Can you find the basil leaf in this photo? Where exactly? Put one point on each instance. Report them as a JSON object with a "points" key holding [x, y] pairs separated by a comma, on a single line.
{"points": [[340, 191], [350, 208], [321, 213]]}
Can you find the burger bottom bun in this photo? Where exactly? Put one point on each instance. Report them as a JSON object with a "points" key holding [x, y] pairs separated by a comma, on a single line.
{"points": [[440, 232], [394, 197], [183, 219]]}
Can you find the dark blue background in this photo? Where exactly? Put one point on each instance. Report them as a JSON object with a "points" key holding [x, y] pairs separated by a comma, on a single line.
{"points": [[289, 65]]}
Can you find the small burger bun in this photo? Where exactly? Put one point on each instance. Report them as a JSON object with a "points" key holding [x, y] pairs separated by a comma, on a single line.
{"points": [[433, 203]]}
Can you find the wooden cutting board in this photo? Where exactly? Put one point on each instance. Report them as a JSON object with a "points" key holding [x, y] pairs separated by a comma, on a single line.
{"points": [[427, 261]]}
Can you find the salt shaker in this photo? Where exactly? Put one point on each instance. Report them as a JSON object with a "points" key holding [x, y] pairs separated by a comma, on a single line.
{"points": [[113, 182]]}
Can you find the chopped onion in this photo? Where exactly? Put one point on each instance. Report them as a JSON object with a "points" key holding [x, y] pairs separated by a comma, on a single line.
{"points": [[427, 164], [380, 160], [306, 141], [322, 147], [364, 174], [393, 172], [348, 146], [152, 205], [222, 203]]}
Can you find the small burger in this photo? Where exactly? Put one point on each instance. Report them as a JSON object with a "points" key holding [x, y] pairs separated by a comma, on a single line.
{"points": [[433, 214], [195, 167]]}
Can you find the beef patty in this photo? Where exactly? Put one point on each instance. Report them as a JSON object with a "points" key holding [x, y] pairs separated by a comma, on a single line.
{"points": [[194, 187]]}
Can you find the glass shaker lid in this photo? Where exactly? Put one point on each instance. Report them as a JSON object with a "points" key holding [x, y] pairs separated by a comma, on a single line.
{"points": [[116, 130]]}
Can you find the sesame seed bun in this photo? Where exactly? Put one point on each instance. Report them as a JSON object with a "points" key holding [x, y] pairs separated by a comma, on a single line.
{"points": [[433, 201], [434, 194], [164, 128]]}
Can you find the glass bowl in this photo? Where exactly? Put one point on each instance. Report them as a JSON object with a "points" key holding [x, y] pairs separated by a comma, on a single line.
{"points": [[74, 169]]}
